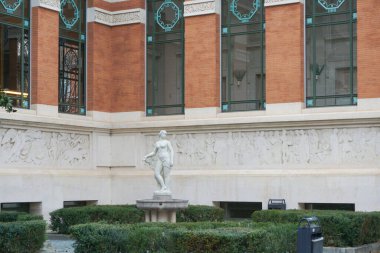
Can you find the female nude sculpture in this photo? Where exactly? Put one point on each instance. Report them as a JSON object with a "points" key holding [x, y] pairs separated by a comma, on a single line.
{"points": [[164, 151]]}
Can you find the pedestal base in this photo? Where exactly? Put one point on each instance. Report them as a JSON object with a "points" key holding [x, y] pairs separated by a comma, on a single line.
{"points": [[162, 208]]}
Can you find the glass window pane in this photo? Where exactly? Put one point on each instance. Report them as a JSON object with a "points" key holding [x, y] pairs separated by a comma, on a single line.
{"points": [[330, 54], [243, 51], [72, 61], [165, 77]]}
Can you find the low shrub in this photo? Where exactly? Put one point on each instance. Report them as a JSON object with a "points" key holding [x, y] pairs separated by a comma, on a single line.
{"points": [[20, 232], [197, 213], [18, 216], [340, 228], [196, 237], [62, 219]]}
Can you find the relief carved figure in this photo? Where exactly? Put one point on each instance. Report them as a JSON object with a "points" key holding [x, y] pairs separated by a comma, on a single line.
{"points": [[28, 147], [279, 148]]}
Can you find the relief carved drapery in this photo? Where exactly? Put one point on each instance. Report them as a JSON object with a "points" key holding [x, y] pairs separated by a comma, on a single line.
{"points": [[20, 147], [278, 148]]}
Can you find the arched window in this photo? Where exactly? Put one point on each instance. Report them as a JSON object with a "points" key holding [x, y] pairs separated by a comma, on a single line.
{"points": [[72, 60], [165, 57], [243, 55], [330, 52], [14, 50]]}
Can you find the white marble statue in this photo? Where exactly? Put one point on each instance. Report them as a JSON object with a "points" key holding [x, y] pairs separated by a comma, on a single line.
{"points": [[164, 151]]}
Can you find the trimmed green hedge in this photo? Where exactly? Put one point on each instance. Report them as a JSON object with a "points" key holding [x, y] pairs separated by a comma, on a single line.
{"points": [[340, 228], [18, 216], [62, 219], [20, 232], [197, 213], [222, 237]]}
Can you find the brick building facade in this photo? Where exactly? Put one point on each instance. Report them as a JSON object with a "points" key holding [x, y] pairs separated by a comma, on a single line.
{"points": [[291, 139]]}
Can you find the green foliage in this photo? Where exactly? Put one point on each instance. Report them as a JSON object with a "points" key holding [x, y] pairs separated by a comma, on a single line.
{"points": [[196, 213], [18, 216], [6, 102], [62, 219], [20, 232], [340, 228], [196, 237]]}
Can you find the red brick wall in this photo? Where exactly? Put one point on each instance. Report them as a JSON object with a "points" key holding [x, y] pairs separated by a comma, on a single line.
{"points": [[202, 61], [284, 54], [368, 48], [100, 84], [45, 29], [116, 62], [128, 54]]}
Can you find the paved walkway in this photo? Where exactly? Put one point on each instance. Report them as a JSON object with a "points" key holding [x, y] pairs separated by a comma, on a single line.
{"points": [[58, 244]]}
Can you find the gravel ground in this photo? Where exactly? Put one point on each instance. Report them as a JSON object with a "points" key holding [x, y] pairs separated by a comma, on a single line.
{"points": [[58, 244]]}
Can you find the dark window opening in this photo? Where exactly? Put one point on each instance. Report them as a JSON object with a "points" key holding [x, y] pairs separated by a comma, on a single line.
{"points": [[240, 210]]}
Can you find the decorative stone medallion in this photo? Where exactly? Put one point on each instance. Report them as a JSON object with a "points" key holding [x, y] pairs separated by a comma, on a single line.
{"points": [[73, 19], [168, 15], [12, 6], [244, 17], [331, 5]]}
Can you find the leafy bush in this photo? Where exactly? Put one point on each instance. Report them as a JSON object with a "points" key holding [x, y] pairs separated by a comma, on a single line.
{"points": [[18, 216], [202, 237], [6, 102], [20, 232], [62, 219], [196, 213], [340, 228]]}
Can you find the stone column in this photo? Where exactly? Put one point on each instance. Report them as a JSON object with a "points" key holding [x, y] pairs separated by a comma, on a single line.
{"points": [[202, 58], [44, 57], [116, 60], [368, 54], [284, 37]]}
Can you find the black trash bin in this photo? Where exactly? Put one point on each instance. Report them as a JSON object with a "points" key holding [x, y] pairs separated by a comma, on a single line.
{"points": [[309, 236], [278, 204]]}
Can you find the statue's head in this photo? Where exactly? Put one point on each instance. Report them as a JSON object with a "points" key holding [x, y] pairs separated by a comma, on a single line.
{"points": [[162, 134]]}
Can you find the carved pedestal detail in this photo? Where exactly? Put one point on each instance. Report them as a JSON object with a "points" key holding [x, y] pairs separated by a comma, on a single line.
{"points": [[162, 208]]}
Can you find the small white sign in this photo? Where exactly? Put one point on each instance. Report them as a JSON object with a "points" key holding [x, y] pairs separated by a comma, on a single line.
{"points": [[281, 2]]}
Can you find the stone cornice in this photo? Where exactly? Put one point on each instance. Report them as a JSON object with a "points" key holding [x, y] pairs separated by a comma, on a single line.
{"points": [[281, 2], [48, 4], [114, 18], [201, 7]]}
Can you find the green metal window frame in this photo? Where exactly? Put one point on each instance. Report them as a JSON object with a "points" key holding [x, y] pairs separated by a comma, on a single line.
{"points": [[72, 38], [312, 24], [246, 20], [172, 32], [21, 19]]}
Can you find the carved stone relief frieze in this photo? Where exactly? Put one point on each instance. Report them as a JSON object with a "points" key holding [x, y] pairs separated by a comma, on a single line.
{"points": [[338, 147], [28, 147], [54, 5], [200, 7], [125, 17]]}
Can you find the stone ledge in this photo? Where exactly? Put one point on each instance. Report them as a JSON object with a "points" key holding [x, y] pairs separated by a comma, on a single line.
{"points": [[368, 248]]}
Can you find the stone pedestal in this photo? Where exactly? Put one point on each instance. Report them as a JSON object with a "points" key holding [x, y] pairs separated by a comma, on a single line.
{"points": [[162, 208]]}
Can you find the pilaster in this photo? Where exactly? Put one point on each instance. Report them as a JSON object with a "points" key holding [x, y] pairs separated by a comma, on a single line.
{"points": [[284, 38], [202, 59], [116, 57], [44, 47], [368, 51]]}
